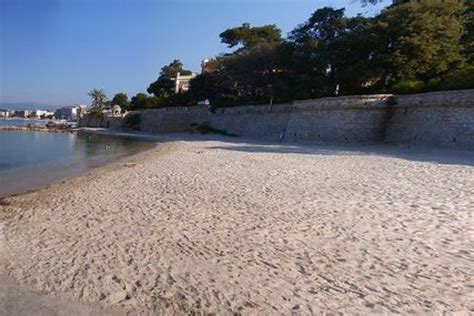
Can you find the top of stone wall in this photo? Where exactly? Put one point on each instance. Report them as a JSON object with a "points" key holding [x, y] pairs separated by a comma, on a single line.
{"points": [[332, 103], [461, 98]]}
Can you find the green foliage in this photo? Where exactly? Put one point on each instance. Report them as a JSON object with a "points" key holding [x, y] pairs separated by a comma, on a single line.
{"points": [[206, 128], [132, 121], [177, 99], [250, 76], [250, 37], [459, 80], [407, 48], [164, 84], [468, 38], [96, 112], [140, 101], [337, 49], [120, 99], [408, 86], [315, 39], [419, 41], [99, 101]]}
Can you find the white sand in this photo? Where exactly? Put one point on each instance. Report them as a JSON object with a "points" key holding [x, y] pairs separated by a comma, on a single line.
{"points": [[214, 226]]}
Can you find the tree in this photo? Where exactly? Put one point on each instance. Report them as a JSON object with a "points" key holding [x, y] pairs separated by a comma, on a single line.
{"points": [[249, 37], [419, 41], [409, 46], [99, 100], [326, 50], [144, 101], [468, 38], [164, 84], [244, 75], [316, 37], [139, 101], [210, 84], [120, 99], [351, 56]]}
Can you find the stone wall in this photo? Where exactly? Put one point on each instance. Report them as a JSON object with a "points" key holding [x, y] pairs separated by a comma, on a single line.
{"points": [[439, 119], [101, 121], [357, 119], [434, 119]]}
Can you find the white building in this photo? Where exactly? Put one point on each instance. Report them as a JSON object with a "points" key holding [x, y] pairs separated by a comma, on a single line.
{"points": [[38, 114], [4, 113], [22, 113], [182, 82], [68, 113], [81, 111], [116, 110]]}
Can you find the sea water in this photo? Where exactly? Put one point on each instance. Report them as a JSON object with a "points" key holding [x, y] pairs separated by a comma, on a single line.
{"points": [[29, 159]]}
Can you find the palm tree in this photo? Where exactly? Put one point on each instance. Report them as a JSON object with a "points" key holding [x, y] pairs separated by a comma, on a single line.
{"points": [[99, 100]]}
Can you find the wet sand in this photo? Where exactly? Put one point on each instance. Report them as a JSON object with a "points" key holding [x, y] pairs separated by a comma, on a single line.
{"points": [[226, 226]]}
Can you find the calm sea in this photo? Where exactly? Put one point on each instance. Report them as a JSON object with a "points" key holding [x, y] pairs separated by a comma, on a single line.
{"points": [[32, 159], [22, 122]]}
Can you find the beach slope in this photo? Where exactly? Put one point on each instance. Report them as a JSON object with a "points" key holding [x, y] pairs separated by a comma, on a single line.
{"points": [[231, 227]]}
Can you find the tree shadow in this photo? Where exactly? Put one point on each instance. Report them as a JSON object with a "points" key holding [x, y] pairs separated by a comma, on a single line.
{"points": [[412, 153], [240, 144]]}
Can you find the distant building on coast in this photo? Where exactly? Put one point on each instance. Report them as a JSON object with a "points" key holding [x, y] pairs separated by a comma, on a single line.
{"points": [[22, 113], [71, 113], [81, 111], [40, 114], [5, 113], [34, 114], [182, 82], [116, 110], [68, 113]]}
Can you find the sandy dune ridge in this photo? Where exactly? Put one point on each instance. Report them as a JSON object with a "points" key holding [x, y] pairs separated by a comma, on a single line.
{"points": [[218, 226]]}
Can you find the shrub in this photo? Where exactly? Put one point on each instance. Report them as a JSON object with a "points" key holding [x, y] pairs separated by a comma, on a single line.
{"points": [[96, 112], [408, 86], [391, 101], [177, 100], [133, 120], [206, 128], [459, 80]]}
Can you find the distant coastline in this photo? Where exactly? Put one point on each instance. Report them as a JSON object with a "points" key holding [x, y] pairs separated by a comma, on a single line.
{"points": [[32, 124], [36, 129], [28, 106]]}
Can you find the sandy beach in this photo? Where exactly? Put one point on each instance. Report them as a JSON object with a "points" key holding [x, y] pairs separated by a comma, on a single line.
{"points": [[221, 225]]}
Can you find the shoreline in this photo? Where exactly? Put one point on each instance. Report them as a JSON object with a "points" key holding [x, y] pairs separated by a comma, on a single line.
{"points": [[163, 139], [214, 224], [68, 170], [36, 129], [20, 299], [57, 181]]}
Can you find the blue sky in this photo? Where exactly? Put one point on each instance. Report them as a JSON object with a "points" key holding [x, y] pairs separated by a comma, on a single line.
{"points": [[55, 51]]}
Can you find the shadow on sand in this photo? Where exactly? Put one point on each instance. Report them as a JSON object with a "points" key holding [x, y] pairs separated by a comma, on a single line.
{"points": [[413, 153], [422, 154]]}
